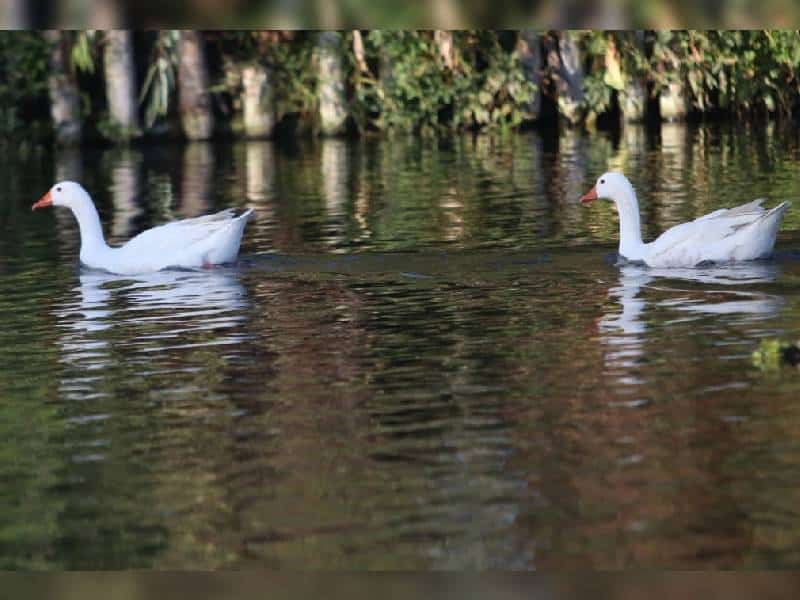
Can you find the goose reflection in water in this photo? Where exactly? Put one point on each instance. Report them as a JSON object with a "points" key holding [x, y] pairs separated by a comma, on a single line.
{"points": [[149, 318], [691, 293], [720, 299]]}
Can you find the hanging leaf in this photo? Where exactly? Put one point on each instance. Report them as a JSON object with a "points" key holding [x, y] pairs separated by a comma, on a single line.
{"points": [[159, 82], [82, 56], [613, 75]]}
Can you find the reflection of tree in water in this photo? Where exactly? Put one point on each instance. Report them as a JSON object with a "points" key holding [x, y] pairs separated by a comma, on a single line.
{"points": [[441, 437], [334, 168], [647, 460], [196, 179], [30, 422], [532, 414], [302, 487], [123, 167], [390, 428], [259, 188], [446, 480], [68, 167]]}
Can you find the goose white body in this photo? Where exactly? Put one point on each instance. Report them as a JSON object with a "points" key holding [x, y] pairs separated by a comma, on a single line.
{"points": [[743, 233], [190, 243]]}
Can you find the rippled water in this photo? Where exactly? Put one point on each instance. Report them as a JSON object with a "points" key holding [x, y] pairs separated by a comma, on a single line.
{"points": [[426, 358]]}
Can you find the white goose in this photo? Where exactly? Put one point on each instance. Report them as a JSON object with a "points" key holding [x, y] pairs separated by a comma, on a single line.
{"points": [[746, 232], [190, 243]]}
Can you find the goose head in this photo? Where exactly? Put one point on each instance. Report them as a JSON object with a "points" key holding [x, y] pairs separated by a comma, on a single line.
{"points": [[73, 196], [610, 186], [65, 193]]}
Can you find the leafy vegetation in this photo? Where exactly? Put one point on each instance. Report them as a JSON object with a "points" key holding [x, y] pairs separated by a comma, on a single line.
{"points": [[414, 81], [411, 86], [83, 51], [735, 72], [772, 354], [159, 83], [23, 77]]}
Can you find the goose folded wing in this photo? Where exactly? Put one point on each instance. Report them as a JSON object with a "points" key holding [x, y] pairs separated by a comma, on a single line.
{"points": [[706, 230], [180, 235]]}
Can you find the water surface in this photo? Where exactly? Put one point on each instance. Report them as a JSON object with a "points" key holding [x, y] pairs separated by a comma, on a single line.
{"points": [[426, 358]]}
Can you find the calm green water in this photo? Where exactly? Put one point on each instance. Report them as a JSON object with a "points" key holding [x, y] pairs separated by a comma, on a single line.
{"points": [[425, 358]]}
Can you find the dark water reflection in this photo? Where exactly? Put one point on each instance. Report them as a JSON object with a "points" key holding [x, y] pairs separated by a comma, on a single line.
{"points": [[425, 358]]}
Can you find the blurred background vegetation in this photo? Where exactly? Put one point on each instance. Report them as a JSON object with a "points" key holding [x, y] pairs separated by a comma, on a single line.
{"points": [[121, 85]]}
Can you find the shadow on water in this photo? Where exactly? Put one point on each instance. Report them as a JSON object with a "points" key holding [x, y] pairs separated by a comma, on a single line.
{"points": [[422, 360]]}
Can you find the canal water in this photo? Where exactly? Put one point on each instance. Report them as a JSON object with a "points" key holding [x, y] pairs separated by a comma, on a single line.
{"points": [[425, 358]]}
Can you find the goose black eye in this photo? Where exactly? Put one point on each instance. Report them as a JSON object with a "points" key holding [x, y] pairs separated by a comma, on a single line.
{"points": [[58, 189], [602, 181]]}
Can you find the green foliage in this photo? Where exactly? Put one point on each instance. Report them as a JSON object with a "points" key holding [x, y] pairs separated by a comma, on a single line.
{"points": [[83, 51], [159, 83], [772, 354], [612, 60], [290, 57], [598, 89], [293, 77], [403, 81], [412, 88], [734, 71], [496, 94], [23, 76], [110, 129], [746, 69]]}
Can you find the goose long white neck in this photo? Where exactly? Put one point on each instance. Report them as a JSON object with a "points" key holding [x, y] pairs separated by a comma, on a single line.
{"points": [[91, 230], [630, 229]]}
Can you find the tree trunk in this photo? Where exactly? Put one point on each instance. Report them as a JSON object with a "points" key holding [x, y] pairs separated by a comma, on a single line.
{"points": [[332, 100], [444, 41], [570, 80], [121, 85], [386, 80], [530, 57], [258, 109], [197, 118], [65, 106], [358, 52], [672, 102], [633, 96], [633, 101]]}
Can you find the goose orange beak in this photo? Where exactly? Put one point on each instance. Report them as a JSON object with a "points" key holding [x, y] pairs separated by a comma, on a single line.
{"points": [[589, 196], [46, 200]]}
